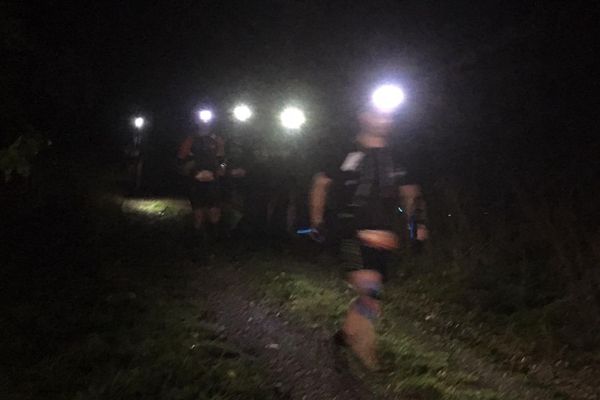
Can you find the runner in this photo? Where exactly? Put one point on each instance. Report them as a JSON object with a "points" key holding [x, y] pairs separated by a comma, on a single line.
{"points": [[200, 157], [367, 187]]}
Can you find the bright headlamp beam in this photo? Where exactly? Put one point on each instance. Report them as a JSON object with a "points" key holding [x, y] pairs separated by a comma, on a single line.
{"points": [[387, 98], [242, 113], [205, 116], [139, 122], [292, 118]]}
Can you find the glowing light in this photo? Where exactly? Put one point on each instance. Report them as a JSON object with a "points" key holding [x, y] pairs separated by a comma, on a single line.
{"points": [[242, 113], [139, 122], [387, 98], [205, 116], [292, 118]]}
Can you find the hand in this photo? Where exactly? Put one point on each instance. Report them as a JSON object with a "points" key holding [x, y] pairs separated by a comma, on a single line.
{"points": [[377, 239], [422, 232], [317, 234], [238, 172], [205, 176], [316, 221], [222, 170]]}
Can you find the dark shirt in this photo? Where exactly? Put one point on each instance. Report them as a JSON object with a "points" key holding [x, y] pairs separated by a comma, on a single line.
{"points": [[203, 150], [364, 188]]}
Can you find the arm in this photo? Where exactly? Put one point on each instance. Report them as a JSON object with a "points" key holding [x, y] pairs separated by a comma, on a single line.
{"points": [[220, 147], [184, 166], [221, 160], [317, 198], [185, 148]]}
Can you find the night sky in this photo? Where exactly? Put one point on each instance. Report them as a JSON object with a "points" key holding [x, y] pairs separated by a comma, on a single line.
{"points": [[493, 86]]}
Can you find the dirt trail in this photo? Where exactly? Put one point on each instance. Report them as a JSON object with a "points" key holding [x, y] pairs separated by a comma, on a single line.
{"points": [[302, 361]]}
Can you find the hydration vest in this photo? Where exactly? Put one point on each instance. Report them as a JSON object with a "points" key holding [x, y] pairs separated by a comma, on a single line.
{"points": [[204, 152], [365, 196]]}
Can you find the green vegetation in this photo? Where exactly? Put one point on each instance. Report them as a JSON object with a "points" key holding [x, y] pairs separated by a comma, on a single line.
{"points": [[409, 365], [17, 159], [528, 266], [106, 307], [102, 302], [145, 339]]}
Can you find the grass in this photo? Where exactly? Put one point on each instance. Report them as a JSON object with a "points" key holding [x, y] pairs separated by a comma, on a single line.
{"points": [[324, 304], [116, 316], [463, 311], [100, 305], [409, 366]]}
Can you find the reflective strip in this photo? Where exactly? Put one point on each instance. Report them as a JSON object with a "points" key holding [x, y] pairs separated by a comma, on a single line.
{"points": [[352, 161]]}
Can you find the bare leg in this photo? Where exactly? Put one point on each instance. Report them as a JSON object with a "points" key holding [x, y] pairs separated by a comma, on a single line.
{"points": [[358, 327], [199, 218]]}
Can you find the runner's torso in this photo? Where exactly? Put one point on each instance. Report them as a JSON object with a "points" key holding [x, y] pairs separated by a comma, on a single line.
{"points": [[365, 189], [204, 152]]}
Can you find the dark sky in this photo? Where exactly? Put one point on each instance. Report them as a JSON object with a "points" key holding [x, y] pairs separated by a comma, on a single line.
{"points": [[488, 81]]}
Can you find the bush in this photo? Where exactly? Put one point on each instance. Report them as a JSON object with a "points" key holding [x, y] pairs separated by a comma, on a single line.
{"points": [[18, 157], [535, 249]]}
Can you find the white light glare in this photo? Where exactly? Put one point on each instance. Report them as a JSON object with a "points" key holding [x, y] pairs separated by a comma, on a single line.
{"points": [[292, 118], [242, 113], [205, 116], [387, 98], [139, 122]]}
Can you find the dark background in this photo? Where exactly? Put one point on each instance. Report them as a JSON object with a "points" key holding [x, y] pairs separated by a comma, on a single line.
{"points": [[495, 89], [500, 126]]}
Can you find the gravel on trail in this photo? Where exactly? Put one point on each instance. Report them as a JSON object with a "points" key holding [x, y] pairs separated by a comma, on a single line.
{"points": [[302, 361]]}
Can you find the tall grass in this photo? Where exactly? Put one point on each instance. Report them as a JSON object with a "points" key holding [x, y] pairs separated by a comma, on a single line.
{"points": [[533, 255]]}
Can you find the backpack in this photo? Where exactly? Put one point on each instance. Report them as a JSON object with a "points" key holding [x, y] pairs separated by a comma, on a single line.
{"points": [[364, 194]]}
